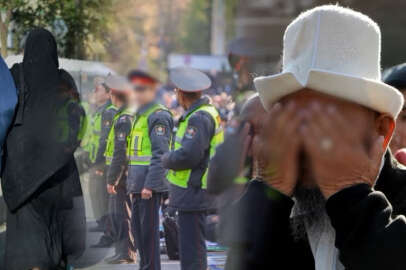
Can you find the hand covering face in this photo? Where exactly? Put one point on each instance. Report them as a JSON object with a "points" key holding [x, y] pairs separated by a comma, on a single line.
{"points": [[32, 154]]}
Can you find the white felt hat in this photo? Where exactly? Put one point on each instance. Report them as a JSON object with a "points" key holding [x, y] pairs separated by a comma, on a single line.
{"points": [[336, 51]]}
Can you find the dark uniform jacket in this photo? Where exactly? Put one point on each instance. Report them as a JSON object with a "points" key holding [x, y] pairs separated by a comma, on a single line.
{"points": [[107, 121], [153, 177], [370, 227], [194, 154], [118, 168], [75, 115]]}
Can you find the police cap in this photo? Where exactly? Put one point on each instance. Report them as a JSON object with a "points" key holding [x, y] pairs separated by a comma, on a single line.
{"points": [[189, 79], [139, 76], [396, 76], [117, 83]]}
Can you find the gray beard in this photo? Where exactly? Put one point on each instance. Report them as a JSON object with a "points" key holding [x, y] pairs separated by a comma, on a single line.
{"points": [[309, 211]]}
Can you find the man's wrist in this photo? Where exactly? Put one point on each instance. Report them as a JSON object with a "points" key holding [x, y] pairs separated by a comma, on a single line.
{"points": [[329, 191], [276, 193], [282, 188]]}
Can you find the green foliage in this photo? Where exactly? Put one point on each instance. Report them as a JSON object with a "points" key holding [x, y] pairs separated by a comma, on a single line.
{"points": [[231, 13], [73, 22], [195, 37]]}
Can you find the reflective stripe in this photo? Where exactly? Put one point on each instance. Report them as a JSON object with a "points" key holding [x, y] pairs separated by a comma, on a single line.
{"points": [[139, 144], [181, 178], [141, 159], [178, 139]]}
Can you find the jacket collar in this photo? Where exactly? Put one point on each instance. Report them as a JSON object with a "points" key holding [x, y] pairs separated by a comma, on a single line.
{"points": [[201, 101], [392, 182], [104, 106], [145, 107]]}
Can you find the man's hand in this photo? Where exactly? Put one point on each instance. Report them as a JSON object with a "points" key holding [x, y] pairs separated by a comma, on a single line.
{"points": [[146, 194], [99, 172], [111, 189], [276, 149], [338, 158]]}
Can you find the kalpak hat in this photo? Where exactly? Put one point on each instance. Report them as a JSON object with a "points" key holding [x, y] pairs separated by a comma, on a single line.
{"points": [[336, 51]]}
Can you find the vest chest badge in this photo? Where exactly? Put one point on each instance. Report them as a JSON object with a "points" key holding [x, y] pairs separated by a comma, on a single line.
{"points": [[160, 130], [190, 132]]}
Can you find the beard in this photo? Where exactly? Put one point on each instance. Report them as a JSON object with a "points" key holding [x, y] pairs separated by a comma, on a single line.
{"points": [[309, 211]]}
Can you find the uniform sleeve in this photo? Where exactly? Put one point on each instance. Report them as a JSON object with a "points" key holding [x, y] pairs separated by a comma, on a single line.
{"points": [[195, 143], [119, 162], [160, 133], [75, 115], [368, 236], [107, 121]]}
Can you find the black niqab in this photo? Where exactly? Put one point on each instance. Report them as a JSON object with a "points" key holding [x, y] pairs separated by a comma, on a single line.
{"points": [[32, 154]]}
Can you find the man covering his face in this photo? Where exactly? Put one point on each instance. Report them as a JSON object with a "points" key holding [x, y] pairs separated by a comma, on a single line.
{"points": [[326, 194]]}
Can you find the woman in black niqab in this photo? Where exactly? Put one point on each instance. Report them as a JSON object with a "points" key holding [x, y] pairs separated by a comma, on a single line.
{"points": [[32, 154], [40, 179]]}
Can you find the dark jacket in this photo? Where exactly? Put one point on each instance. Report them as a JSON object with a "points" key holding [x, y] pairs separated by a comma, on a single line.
{"points": [[153, 177], [370, 227], [194, 154], [107, 121], [117, 169]]}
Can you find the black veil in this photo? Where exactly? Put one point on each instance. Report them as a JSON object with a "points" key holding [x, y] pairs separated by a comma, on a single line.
{"points": [[32, 154]]}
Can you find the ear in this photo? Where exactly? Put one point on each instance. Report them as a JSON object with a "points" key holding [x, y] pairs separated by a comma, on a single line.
{"points": [[385, 126]]}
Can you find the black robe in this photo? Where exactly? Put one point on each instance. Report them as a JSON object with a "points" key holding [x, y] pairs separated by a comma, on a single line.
{"points": [[32, 154], [40, 180], [370, 227]]}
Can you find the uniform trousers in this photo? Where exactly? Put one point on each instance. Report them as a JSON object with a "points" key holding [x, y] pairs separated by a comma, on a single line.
{"points": [[145, 224], [120, 222], [98, 195], [192, 244]]}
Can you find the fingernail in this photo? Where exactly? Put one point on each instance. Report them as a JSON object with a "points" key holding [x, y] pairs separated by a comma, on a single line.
{"points": [[276, 107], [291, 105], [303, 129], [331, 109], [315, 106], [304, 114]]}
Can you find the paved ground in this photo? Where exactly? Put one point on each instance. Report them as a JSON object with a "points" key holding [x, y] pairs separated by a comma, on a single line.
{"points": [[94, 257]]}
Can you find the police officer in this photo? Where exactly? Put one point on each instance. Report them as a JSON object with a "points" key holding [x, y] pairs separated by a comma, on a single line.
{"points": [[71, 115], [197, 136], [149, 139], [247, 56], [116, 159], [100, 125]]}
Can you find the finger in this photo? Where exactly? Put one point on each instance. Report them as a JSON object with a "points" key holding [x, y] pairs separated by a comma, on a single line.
{"points": [[323, 120], [285, 116], [245, 130], [290, 138], [247, 143], [341, 125], [310, 143], [270, 119]]}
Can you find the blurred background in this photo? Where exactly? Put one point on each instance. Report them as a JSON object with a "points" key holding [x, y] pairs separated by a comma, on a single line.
{"points": [[157, 34], [97, 37]]}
